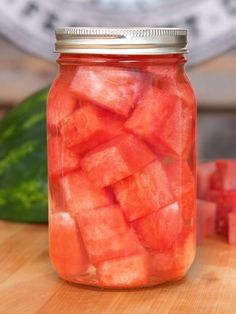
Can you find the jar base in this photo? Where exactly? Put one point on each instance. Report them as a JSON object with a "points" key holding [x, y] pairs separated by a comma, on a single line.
{"points": [[90, 282]]}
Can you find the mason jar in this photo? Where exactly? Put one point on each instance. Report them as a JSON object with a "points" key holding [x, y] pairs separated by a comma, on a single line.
{"points": [[121, 119]]}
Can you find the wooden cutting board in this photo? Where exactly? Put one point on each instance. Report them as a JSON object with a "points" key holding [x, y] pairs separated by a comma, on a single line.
{"points": [[28, 284]]}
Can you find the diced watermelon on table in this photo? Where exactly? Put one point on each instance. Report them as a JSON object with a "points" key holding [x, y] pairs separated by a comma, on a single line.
{"points": [[113, 88], [226, 202], [224, 177], [60, 159], [163, 121], [160, 229], [76, 193], [106, 234], [116, 160], [144, 192], [66, 246], [232, 227], [88, 127], [206, 219], [222, 226], [205, 172], [127, 272]]}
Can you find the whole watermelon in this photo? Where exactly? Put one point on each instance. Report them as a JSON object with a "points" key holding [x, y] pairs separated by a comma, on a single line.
{"points": [[23, 162]]}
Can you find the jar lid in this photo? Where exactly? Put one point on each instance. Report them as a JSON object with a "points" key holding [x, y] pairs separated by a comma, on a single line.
{"points": [[121, 41]]}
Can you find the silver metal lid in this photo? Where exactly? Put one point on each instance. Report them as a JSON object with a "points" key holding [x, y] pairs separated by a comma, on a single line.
{"points": [[121, 41]]}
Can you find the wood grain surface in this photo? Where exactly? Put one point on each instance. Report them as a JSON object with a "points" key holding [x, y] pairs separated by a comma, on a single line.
{"points": [[28, 284]]}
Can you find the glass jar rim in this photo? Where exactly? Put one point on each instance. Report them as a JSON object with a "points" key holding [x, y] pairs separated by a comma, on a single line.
{"points": [[121, 41]]}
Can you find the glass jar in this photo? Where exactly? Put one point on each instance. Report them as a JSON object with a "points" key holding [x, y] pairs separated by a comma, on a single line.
{"points": [[121, 157]]}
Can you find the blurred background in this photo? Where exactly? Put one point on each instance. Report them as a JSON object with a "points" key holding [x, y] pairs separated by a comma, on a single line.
{"points": [[27, 62]]}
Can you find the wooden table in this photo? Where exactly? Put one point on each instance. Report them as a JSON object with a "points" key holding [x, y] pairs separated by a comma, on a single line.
{"points": [[28, 283]]}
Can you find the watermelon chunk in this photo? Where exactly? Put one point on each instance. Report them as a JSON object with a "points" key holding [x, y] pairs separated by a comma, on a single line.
{"points": [[116, 160], [75, 193], [225, 199], [106, 234], [164, 76], [184, 253], [204, 177], [126, 272], [206, 219], [170, 77], [226, 202], [113, 88], [88, 127], [183, 187], [61, 101], [159, 230], [60, 159], [222, 226], [144, 192], [186, 92], [224, 177], [232, 227], [180, 177], [187, 203], [165, 122], [161, 265], [174, 263], [67, 250]]}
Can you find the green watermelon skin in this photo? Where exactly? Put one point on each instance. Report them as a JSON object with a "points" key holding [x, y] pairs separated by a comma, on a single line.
{"points": [[23, 161]]}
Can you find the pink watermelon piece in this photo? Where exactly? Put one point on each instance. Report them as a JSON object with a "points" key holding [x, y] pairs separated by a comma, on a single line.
{"points": [[88, 127], [186, 92], [206, 219], [67, 250], [164, 76], [106, 234], [222, 226], [205, 172], [168, 77], [173, 263], [232, 227], [161, 265], [61, 101], [225, 199], [224, 177], [144, 192], [165, 122], [183, 187], [185, 252], [180, 177], [187, 203], [75, 193], [60, 159], [125, 272], [116, 160], [226, 202], [159, 230], [114, 88]]}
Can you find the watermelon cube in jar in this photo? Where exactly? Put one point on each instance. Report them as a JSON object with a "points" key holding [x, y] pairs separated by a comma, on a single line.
{"points": [[121, 158], [67, 252]]}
